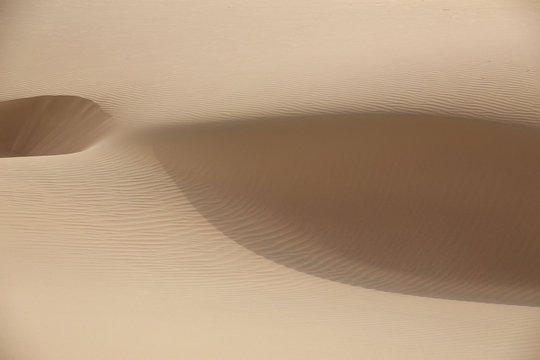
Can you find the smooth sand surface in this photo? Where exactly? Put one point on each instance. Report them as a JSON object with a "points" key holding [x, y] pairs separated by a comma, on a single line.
{"points": [[270, 180]]}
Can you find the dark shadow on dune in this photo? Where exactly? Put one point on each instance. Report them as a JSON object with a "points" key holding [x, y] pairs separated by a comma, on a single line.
{"points": [[430, 206], [50, 125], [427, 206]]}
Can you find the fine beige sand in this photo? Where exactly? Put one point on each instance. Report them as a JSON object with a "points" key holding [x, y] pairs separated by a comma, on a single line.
{"points": [[269, 179]]}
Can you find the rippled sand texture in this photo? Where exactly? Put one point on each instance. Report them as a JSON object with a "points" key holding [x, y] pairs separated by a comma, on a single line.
{"points": [[269, 180]]}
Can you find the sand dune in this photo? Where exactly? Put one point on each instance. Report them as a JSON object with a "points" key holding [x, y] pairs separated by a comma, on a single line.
{"points": [[269, 180]]}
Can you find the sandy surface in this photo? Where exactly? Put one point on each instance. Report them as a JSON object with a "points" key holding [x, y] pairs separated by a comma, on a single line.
{"points": [[269, 180]]}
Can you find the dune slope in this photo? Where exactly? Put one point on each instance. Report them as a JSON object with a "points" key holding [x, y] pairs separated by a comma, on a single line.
{"points": [[431, 206]]}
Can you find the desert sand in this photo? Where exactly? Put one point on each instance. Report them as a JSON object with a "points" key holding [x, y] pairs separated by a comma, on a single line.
{"points": [[269, 179]]}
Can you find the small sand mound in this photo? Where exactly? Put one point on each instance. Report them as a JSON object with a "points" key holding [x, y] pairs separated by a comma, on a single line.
{"points": [[49, 125]]}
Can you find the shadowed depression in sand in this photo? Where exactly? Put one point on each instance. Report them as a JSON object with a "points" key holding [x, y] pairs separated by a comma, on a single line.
{"points": [[431, 206], [49, 125]]}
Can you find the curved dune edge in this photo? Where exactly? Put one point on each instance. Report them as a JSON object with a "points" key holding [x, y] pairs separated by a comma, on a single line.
{"points": [[50, 125], [430, 206]]}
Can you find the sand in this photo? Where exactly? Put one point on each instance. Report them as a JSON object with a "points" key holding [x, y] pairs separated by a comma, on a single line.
{"points": [[270, 180]]}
